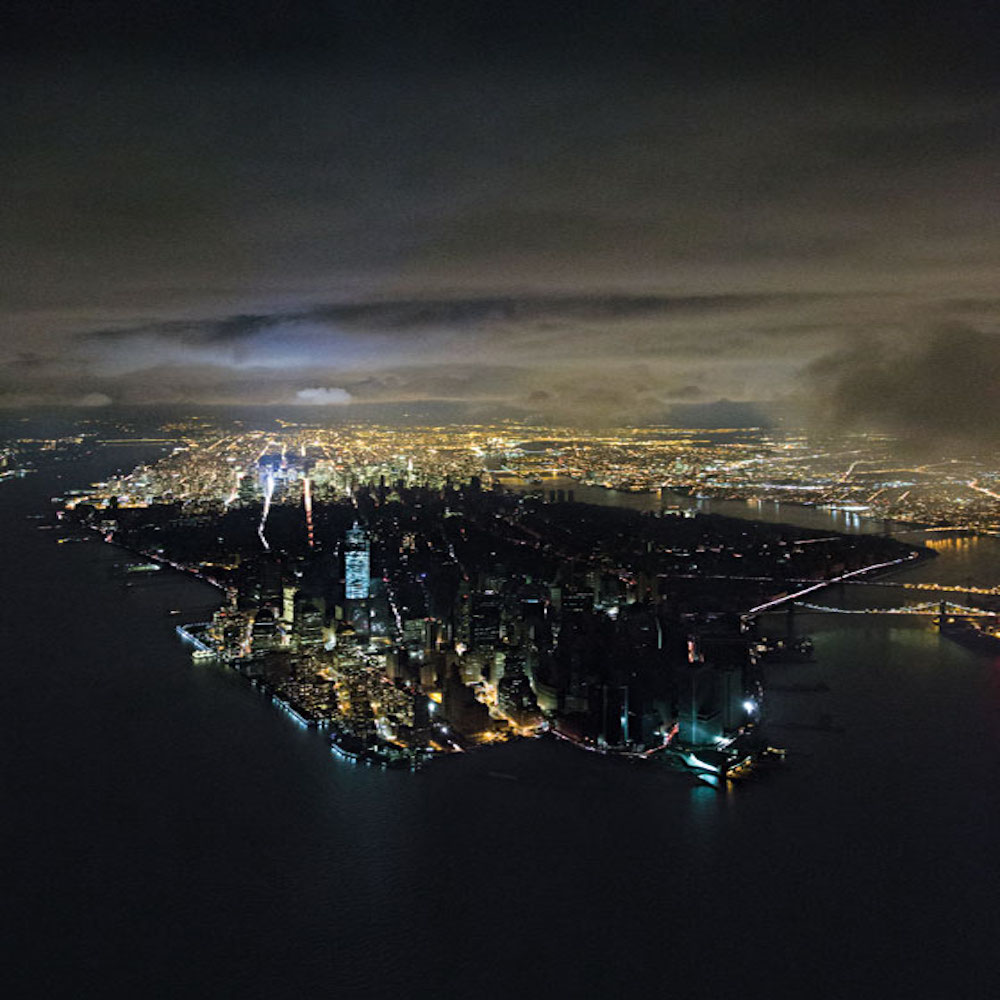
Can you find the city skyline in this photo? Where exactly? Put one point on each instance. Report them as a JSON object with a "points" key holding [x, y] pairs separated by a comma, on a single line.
{"points": [[500, 498]]}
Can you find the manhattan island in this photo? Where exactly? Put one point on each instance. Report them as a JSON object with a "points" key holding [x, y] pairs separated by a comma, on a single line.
{"points": [[401, 598]]}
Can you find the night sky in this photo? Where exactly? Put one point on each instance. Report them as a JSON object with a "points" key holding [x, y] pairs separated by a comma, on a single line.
{"points": [[586, 211]]}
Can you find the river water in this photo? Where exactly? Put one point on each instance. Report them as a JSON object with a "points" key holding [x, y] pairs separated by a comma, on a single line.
{"points": [[170, 833]]}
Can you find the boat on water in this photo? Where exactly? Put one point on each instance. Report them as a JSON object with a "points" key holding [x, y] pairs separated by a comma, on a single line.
{"points": [[739, 760]]}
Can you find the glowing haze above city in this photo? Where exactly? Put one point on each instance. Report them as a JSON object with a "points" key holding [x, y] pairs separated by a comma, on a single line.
{"points": [[591, 216]]}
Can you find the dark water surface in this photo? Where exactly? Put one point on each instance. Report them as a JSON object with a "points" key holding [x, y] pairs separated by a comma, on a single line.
{"points": [[169, 833]]}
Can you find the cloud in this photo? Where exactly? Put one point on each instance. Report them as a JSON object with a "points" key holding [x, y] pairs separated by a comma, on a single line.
{"points": [[528, 330], [509, 207], [323, 397], [400, 316], [939, 391], [95, 399]]}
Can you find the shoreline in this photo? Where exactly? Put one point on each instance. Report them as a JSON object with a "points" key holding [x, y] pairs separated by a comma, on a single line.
{"points": [[372, 755], [680, 491]]}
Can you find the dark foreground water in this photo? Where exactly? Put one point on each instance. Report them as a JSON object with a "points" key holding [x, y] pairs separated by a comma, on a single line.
{"points": [[169, 833]]}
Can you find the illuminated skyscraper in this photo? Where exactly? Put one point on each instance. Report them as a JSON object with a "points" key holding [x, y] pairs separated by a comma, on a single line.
{"points": [[357, 564], [484, 619]]}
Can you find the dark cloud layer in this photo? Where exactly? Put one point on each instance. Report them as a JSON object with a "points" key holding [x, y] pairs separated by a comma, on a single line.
{"points": [[395, 317], [941, 393], [591, 208], [714, 35]]}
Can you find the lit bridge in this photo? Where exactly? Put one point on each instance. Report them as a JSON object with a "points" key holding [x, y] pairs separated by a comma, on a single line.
{"points": [[860, 576], [929, 610]]}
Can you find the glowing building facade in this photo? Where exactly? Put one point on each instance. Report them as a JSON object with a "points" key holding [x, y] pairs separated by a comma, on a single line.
{"points": [[357, 564]]}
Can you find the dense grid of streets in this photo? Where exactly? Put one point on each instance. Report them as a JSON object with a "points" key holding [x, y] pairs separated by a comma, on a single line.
{"points": [[383, 583], [856, 473]]}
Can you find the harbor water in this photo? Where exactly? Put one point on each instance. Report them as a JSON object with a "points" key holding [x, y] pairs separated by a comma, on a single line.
{"points": [[169, 832]]}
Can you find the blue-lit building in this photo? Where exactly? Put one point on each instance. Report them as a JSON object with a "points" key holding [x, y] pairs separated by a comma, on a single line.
{"points": [[357, 564]]}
